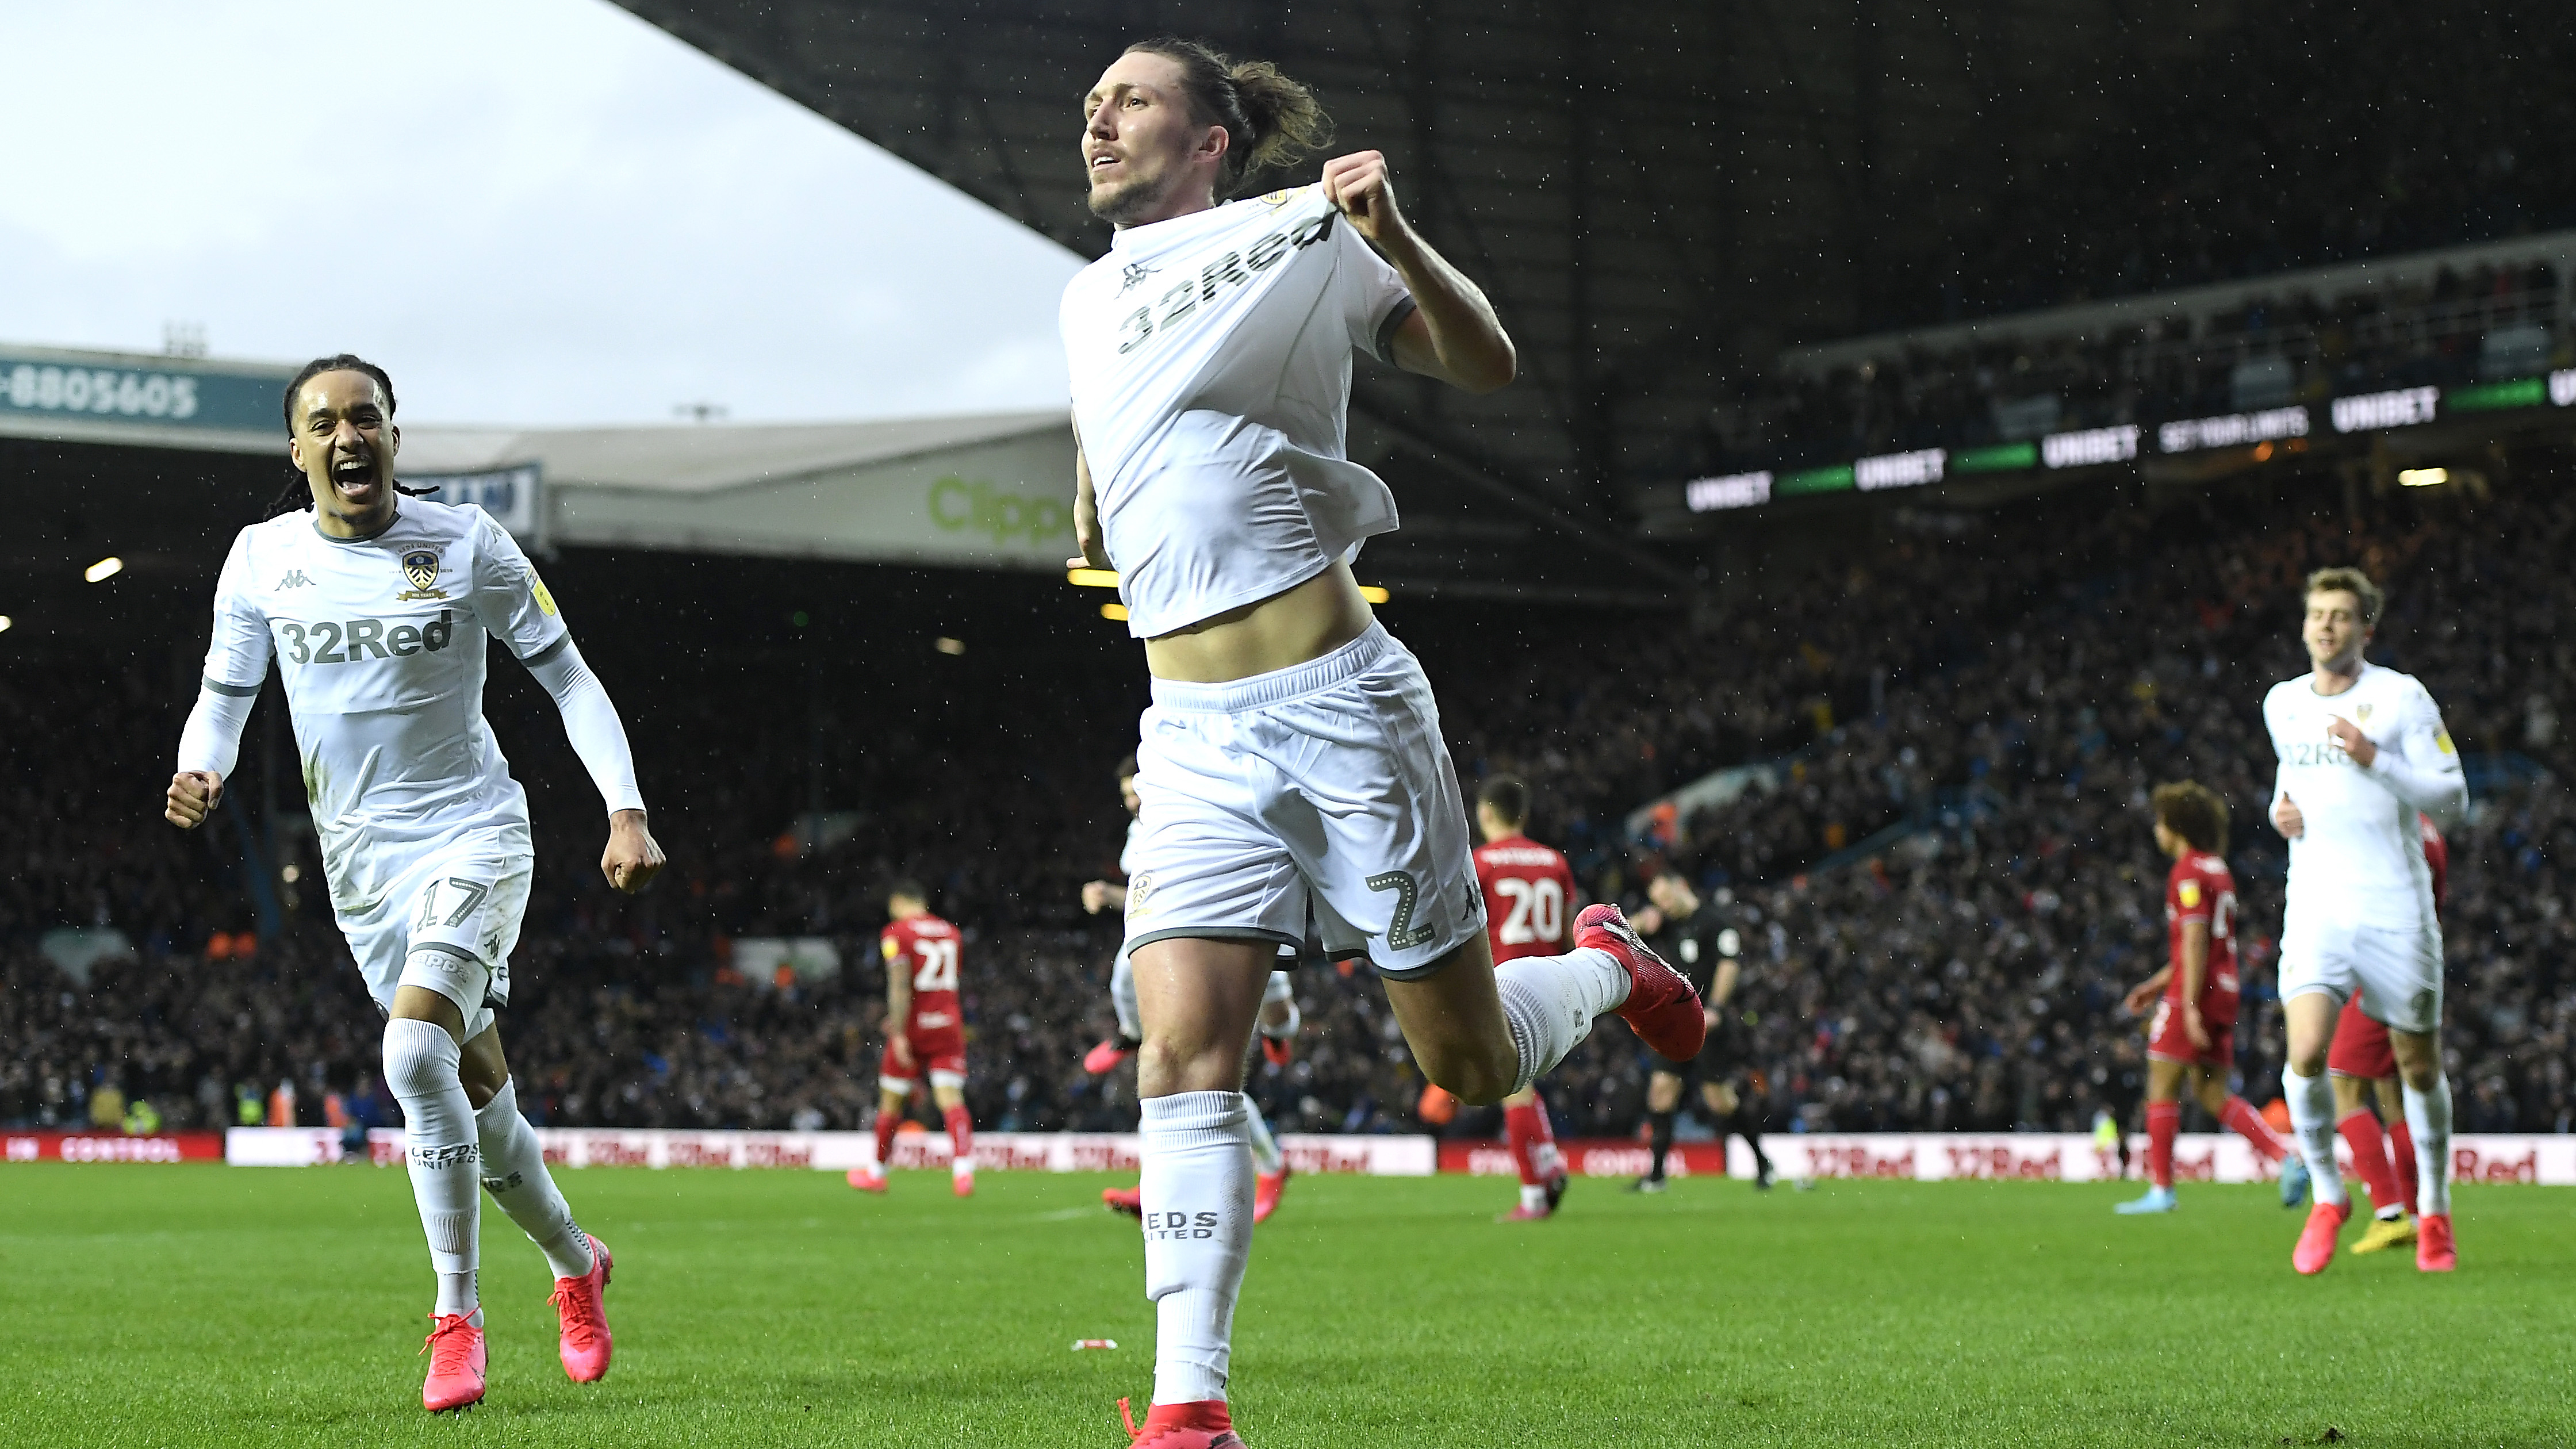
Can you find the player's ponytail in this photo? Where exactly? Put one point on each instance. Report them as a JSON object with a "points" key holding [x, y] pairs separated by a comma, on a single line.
{"points": [[1270, 121]]}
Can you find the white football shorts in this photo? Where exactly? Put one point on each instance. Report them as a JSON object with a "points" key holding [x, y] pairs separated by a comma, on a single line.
{"points": [[449, 921], [1323, 792], [2398, 972]]}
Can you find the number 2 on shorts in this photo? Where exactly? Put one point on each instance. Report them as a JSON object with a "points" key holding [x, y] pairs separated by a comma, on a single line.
{"points": [[1401, 933]]}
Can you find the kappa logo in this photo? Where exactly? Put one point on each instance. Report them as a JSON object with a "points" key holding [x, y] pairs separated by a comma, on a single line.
{"points": [[420, 566], [295, 579], [1135, 276]]}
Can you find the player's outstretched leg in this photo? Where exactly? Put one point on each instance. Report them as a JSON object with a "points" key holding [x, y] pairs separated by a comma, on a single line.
{"points": [[1659, 1004], [2428, 1121], [1269, 1165], [422, 1071], [514, 1172], [2164, 1121]]}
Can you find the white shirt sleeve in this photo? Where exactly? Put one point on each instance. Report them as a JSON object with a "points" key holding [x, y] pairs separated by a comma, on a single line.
{"points": [[237, 659], [590, 722], [2421, 766], [1371, 293], [508, 596]]}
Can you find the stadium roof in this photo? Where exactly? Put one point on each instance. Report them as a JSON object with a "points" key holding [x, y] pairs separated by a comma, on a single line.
{"points": [[713, 458], [1661, 195]]}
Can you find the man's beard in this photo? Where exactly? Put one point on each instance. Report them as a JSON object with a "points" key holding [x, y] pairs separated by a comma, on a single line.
{"points": [[1126, 201]]}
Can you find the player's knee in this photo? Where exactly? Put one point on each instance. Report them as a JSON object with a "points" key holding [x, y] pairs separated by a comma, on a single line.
{"points": [[419, 1057], [1166, 1064], [1475, 1075]]}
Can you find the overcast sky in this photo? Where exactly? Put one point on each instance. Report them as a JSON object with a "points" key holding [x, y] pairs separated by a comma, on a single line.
{"points": [[530, 211]]}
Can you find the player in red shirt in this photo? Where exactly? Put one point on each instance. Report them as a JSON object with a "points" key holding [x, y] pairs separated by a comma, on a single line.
{"points": [[925, 1031], [2360, 1059], [2194, 1034], [1529, 911]]}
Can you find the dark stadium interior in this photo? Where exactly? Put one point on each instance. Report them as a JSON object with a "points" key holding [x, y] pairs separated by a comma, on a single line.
{"points": [[2013, 685], [1971, 689], [1661, 196]]}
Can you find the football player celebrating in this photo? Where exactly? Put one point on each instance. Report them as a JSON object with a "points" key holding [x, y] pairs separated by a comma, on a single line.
{"points": [[375, 606], [1529, 908], [2364, 1069], [2362, 752], [1292, 759], [2194, 1032], [925, 1032]]}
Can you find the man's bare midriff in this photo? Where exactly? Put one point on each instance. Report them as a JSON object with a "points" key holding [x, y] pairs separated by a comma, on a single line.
{"points": [[1282, 631]]}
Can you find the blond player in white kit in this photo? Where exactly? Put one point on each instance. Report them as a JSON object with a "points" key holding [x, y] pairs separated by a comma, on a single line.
{"points": [[375, 607], [1292, 759], [2362, 750]]}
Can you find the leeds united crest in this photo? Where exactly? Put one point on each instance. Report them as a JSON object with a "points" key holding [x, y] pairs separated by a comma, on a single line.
{"points": [[420, 567]]}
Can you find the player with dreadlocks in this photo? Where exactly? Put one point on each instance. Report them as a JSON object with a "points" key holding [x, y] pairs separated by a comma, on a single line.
{"points": [[375, 606]]}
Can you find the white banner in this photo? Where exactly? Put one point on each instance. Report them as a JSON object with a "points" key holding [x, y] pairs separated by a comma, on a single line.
{"points": [[835, 1151], [2074, 1157]]}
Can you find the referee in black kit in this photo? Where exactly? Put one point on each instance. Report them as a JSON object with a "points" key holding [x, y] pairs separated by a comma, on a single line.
{"points": [[1703, 943]]}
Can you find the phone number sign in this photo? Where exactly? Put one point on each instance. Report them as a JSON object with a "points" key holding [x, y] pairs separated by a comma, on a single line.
{"points": [[141, 392]]}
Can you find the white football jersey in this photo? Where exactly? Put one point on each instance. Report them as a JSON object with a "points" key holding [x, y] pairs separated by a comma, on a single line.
{"points": [[1211, 365], [381, 645], [2360, 857]]}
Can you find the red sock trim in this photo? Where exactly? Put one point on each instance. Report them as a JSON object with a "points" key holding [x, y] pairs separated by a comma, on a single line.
{"points": [[2360, 1130], [1202, 1414], [2401, 1153], [2164, 1119], [1520, 1131]]}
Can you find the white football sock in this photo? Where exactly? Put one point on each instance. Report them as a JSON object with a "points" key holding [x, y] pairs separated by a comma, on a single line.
{"points": [[1550, 1001], [421, 1070], [514, 1172], [2428, 1117], [1265, 1148], [2311, 1103], [1197, 1197], [1534, 1196]]}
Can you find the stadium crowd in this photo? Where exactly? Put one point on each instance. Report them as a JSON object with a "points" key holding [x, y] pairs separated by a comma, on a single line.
{"points": [[2484, 322], [2006, 694]]}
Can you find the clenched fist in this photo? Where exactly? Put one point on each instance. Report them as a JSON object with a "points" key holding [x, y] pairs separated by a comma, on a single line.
{"points": [[193, 796]]}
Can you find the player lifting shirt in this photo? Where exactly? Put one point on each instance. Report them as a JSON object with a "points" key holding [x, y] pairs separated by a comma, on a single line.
{"points": [[2362, 752], [1291, 762], [375, 608]]}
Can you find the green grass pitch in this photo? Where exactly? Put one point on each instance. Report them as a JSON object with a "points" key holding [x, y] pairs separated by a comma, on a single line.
{"points": [[157, 1306]]}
